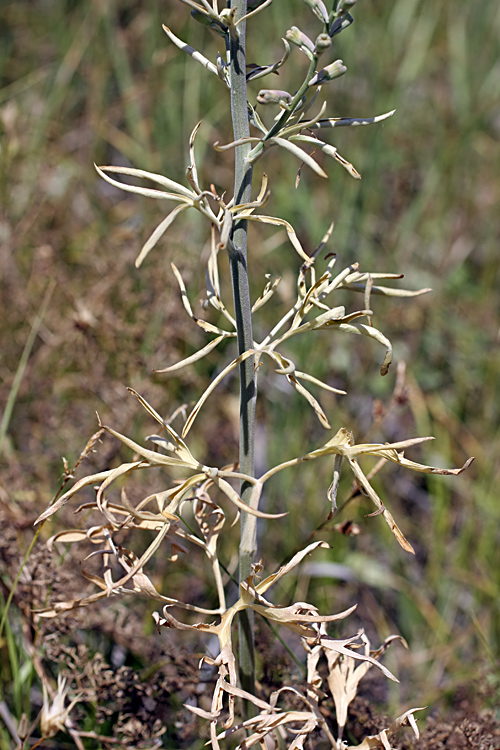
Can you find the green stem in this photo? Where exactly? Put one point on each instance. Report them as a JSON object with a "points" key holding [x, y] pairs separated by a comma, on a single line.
{"points": [[243, 314], [280, 123], [287, 113]]}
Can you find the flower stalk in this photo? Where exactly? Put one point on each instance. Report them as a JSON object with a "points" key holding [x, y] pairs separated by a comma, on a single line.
{"points": [[238, 261]]}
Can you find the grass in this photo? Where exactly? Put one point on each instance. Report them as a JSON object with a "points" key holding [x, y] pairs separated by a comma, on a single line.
{"points": [[84, 82]]}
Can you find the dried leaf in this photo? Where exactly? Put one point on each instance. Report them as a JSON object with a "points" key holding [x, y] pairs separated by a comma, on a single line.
{"points": [[311, 401], [278, 223], [320, 383], [153, 457], [268, 292], [226, 488], [381, 740], [196, 356], [67, 537], [158, 233], [345, 673], [299, 153], [180, 193], [190, 50], [387, 515], [84, 482], [180, 446], [329, 150], [264, 585], [231, 366], [337, 122]]}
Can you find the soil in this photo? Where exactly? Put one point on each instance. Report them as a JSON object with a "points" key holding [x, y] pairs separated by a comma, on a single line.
{"points": [[467, 726]]}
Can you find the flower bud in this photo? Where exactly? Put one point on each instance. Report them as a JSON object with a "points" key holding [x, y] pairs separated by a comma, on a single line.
{"points": [[345, 5], [274, 96], [342, 21], [227, 16], [318, 8], [295, 36], [205, 20], [332, 71], [323, 42]]}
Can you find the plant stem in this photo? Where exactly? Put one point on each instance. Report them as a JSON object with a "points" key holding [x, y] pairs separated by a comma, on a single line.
{"points": [[287, 113], [243, 314]]}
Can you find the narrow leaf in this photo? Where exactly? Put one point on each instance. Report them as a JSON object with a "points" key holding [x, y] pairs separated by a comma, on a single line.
{"points": [[311, 401], [158, 233], [231, 366], [337, 122], [183, 192], [84, 482], [299, 153], [264, 585], [197, 355], [275, 221], [190, 51], [325, 386]]}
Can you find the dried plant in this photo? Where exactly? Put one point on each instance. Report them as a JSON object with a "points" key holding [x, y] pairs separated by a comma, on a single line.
{"points": [[208, 492]]}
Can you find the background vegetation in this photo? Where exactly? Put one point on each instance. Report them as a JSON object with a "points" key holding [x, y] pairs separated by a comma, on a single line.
{"points": [[86, 81]]}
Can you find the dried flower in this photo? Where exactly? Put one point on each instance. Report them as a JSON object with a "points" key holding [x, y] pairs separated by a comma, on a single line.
{"points": [[55, 716]]}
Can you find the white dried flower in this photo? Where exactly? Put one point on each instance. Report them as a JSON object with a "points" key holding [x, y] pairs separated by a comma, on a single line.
{"points": [[55, 715]]}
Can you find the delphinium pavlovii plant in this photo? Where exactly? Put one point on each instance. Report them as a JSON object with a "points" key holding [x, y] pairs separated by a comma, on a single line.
{"points": [[294, 124]]}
